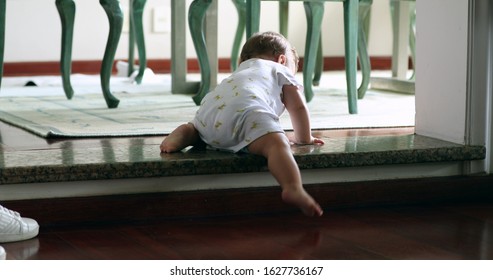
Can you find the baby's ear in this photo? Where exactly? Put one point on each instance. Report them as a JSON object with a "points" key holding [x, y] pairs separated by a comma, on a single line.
{"points": [[282, 59]]}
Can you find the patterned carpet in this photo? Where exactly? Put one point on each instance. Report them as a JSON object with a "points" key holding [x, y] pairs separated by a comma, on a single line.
{"points": [[151, 108]]}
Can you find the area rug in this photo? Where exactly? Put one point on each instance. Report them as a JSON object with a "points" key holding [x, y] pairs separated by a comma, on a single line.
{"points": [[157, 112]]}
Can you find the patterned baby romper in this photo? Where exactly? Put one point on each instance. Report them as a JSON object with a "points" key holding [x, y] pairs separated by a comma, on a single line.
{"points": [[244, 106]]}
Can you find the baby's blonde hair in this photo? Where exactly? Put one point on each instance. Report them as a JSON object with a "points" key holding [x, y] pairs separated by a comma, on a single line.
{"points": [[270, 44]]}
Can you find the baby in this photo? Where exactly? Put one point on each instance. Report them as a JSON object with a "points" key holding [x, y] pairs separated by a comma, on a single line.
{"points": [[242, 115]]}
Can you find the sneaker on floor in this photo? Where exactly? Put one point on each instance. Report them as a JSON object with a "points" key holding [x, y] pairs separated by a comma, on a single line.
{"points": [[13, 227], [3, 255]]}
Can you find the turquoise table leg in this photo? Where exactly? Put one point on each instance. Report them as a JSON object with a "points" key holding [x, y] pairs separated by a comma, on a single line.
{"points": [[351, 13], [314, 14], [196, 15], [137, 27], [364, 21], [66, 10], [115, 17], [240, 30], [2, 35], [283, 17], [252, 17]]}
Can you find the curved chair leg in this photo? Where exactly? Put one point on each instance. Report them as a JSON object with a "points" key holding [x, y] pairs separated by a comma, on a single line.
{"points": [[3, 7], [314, 14], [319, 64], [66, 10], [196, 15], [115, 17], [240, 29], [364, 23], [138, 30], [364, 59], [241, 8], [131, 40], [351, 12]]}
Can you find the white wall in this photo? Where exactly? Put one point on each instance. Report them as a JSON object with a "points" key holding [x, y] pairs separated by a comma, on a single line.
{"points": [[442, 68], [33, 30]]}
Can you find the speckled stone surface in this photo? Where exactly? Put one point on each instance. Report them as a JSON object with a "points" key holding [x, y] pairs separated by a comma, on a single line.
{"points": [[141, 158]]}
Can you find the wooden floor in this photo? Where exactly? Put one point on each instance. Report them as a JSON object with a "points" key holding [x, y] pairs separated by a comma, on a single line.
{"points": [[445, 232], [458, 230]]}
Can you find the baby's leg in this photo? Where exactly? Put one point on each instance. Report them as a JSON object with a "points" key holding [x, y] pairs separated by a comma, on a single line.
{"points": [[183, 136], [275, 147]]}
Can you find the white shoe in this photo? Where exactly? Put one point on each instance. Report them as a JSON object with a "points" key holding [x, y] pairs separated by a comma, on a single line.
{"points": [[13, 227], [3, 255]]}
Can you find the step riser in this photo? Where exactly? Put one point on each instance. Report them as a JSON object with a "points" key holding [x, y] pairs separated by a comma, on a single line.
{"points": [[172, 205]]}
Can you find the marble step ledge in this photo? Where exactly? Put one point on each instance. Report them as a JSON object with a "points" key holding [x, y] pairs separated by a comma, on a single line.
{"points": [[145, 162]]}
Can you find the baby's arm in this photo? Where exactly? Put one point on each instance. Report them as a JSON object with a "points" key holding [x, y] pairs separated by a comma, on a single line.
{"points": [[299, 115]]}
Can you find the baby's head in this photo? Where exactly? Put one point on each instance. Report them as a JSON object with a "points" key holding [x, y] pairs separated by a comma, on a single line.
{"points": [[272, 46]]}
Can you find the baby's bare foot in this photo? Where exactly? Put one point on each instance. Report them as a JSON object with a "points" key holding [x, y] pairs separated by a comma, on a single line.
{"points": [[182, 137], [304, 201]]}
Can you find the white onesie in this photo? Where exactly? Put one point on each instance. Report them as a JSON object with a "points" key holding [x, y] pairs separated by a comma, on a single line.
{"points": [[244, 106]]}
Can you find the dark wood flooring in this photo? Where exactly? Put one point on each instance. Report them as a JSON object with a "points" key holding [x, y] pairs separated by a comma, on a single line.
{"points": [[433, 229], [423, 232]]}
